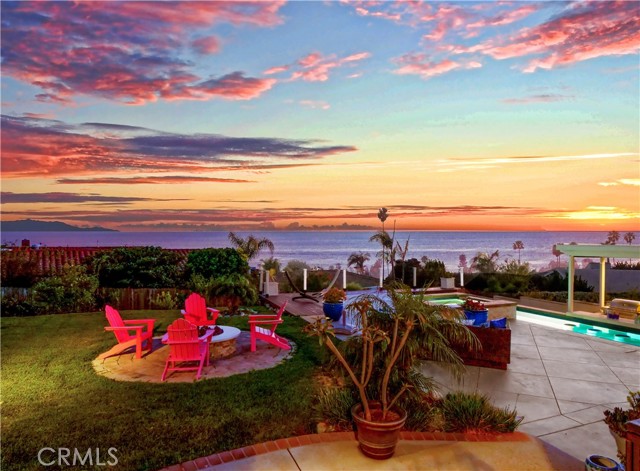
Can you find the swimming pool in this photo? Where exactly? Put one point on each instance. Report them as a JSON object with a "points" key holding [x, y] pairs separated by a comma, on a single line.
{"points": [[594, 328]]}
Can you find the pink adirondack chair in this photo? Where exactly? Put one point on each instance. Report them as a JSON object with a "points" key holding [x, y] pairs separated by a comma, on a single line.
{"points": [[263, 327], [128, 333], [186, 347], [195, 311]]}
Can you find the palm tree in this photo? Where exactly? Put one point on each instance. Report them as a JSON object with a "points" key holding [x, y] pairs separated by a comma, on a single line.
{"points": [[486, 263], [612, 238], [384, 239], [358, 259], [518, 245], [629, 237], [383, 215], [251, 246]]}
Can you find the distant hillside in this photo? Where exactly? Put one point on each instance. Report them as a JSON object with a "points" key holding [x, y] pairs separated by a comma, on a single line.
{"points": [[30, 225]]}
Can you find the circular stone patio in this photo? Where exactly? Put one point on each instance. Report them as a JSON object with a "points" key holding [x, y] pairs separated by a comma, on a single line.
{"points": [[148, 369]]}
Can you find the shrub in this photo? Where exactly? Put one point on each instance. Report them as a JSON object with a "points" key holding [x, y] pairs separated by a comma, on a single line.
{"points": [[234, 289], [353, 286], [213, 263], [164, 300], [16, 304], [136, 267], [75, 291], [334, 407], [19, 268], [464, 412]]}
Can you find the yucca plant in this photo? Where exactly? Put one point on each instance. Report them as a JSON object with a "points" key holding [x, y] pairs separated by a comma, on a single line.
{"points": [[395, 332]]}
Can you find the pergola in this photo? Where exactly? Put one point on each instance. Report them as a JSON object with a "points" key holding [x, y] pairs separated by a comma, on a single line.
{"points": [[594, 251]]}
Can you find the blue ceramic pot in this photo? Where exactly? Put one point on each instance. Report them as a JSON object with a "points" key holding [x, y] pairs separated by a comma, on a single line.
{"points": [[333, 310], [479, 317], [600, 463]]}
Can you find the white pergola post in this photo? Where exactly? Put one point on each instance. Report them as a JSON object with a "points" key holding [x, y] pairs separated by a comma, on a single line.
{"points": [[570, 278], [603, 291]]}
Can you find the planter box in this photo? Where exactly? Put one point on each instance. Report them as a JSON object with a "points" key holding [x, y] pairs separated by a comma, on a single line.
{"points": [[447, 283], [496, 348]]}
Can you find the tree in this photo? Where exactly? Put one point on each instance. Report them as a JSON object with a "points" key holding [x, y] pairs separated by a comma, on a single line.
{"points": [[384, 239], [629, 237], [358, 259], [556, 253], [518, 245], [612, 238], [383, 215], [485, 263], [251, 246], [403, 254], [462, 263]]}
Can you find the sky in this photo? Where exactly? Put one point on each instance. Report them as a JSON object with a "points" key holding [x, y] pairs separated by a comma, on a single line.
{"points": [[190, 116]]}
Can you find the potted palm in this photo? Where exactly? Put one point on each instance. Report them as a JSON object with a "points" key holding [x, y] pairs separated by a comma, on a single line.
{"points": [[617, 420], [394, 331], [333, 303]]}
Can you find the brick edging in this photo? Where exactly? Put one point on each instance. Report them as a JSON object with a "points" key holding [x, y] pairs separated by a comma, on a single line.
{"points": [[303, 440]]}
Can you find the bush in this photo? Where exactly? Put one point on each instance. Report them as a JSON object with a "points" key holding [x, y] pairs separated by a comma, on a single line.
{"points": [[75, 291], [17, 305], [19, 268], [164, 301], [213, 263], [353, 286], [136, 267], [464, 412]]}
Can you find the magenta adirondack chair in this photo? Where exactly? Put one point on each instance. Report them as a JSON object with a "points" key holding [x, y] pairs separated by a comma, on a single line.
{"points": [[196, 310], [263, 327], [128, 333], [186, 347]]}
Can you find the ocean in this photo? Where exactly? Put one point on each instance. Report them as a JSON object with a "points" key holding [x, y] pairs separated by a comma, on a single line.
{"points": [[328, 249]]}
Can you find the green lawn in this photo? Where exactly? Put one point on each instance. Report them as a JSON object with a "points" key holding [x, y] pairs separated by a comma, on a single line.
{"points": [[51, 397]]}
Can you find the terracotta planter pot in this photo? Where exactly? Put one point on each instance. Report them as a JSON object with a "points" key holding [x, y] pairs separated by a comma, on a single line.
{"points": [[378, 439]]}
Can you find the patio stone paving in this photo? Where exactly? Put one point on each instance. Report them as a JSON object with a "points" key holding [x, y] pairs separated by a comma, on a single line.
{"points": [[561, 382], [149, 368]]}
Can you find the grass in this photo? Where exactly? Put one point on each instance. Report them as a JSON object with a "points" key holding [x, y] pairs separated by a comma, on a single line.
{"points": [[51, 397]]}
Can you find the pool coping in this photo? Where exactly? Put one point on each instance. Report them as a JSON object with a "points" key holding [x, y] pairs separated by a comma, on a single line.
{"points": [[606, 323]]}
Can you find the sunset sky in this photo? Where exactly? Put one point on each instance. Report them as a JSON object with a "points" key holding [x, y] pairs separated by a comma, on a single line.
{"points": [[237, 115]]}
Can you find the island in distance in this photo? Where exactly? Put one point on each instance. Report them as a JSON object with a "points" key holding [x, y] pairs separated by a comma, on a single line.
{"points": [[31, 225]]}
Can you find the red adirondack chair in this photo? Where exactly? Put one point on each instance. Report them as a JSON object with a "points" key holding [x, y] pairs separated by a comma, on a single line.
{"points": [[195, 311], [128, 333], [263, 327], [186, 347]]}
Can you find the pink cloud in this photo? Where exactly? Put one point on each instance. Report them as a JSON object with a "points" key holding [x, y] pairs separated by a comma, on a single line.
{"points": [[126, 51], [585, 30], [276, 70], [322, 105], [540, 98], [206, 45], [46, 149], [316, 68], [419, 64], [233, 86], [505, 18]]}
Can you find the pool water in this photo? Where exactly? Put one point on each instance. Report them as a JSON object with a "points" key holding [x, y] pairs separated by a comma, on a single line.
{"points": [[582, 327]]}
